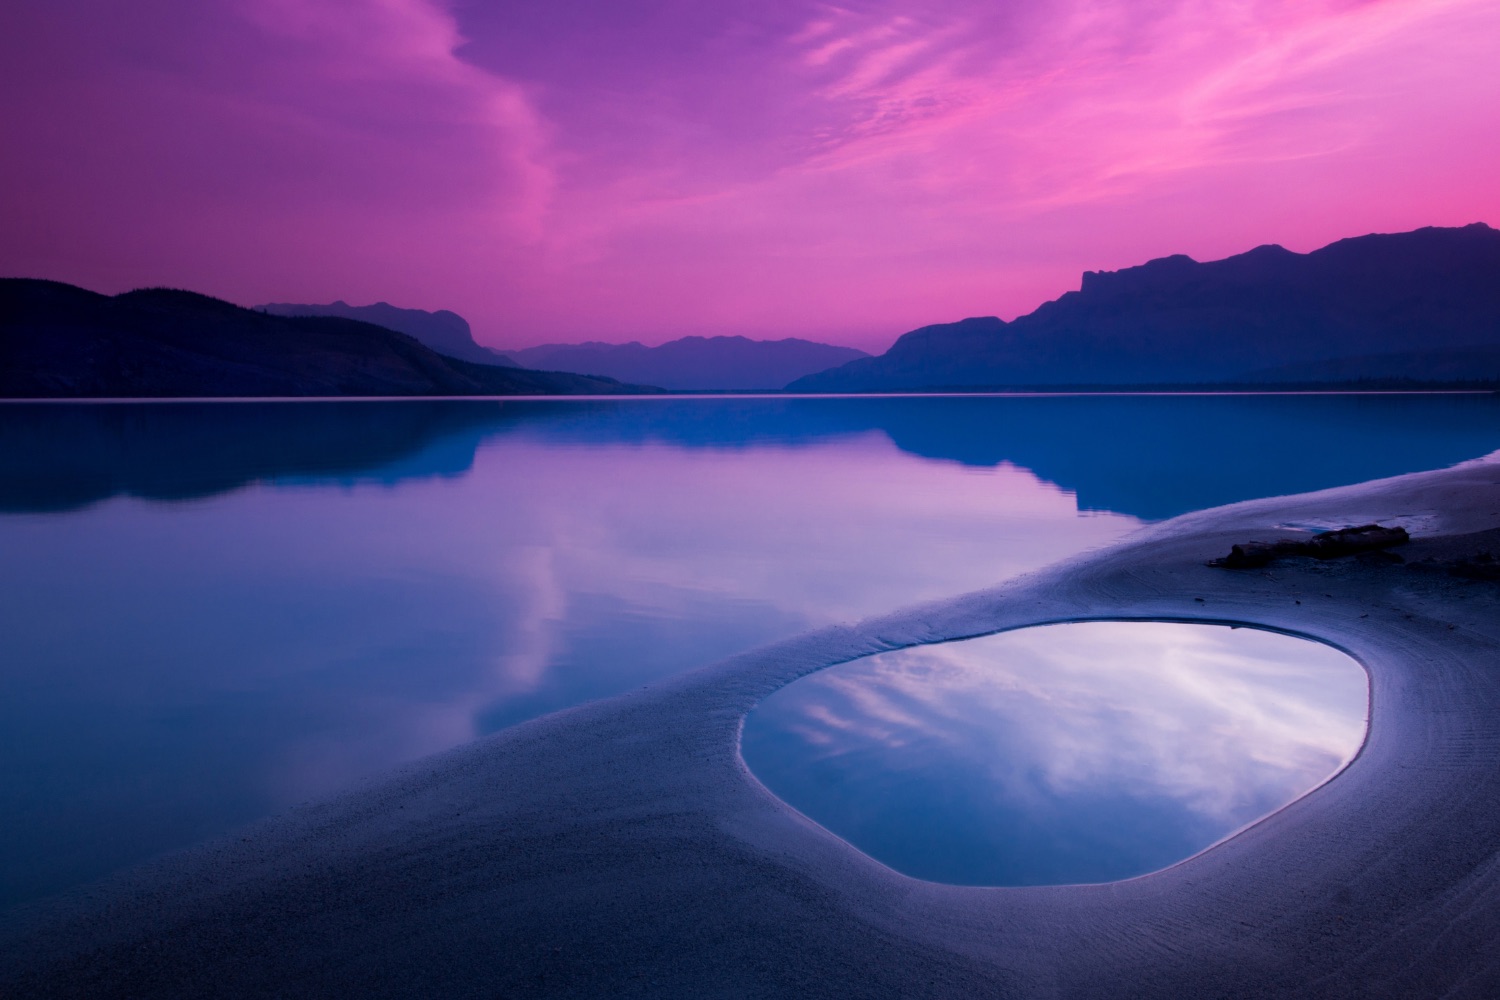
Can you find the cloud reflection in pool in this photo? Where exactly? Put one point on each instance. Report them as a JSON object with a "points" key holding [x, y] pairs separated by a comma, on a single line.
{"points": [[1085, 752]]}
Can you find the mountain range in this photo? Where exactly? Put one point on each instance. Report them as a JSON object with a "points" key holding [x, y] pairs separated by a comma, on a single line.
{"points": [[444, 331], [58, 340], [685, 364], [1423, 305], [728, 363]]}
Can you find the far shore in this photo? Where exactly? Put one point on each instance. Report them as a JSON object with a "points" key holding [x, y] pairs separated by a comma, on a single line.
{"points": [[1334, 389], [622, 848]]}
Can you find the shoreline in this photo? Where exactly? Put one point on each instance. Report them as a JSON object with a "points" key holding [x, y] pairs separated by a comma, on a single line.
{"points": [[623, 848], [1437, 390]]}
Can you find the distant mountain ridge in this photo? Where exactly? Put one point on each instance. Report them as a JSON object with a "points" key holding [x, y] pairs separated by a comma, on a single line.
{"points": [[444, 331], [1424, 304], [726, 363], [688, 363], [61, 341]]}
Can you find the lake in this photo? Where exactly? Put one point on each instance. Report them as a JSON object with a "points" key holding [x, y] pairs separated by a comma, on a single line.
{"points": [[212, 611]]}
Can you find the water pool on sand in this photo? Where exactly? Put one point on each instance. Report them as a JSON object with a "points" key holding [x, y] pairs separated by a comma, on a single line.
{"points": [[1075, 753]]}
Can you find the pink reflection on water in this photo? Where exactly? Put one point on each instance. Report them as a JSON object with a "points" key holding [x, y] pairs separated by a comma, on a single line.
{"points": [[483, 587], [802, 537], [1227, 722]]}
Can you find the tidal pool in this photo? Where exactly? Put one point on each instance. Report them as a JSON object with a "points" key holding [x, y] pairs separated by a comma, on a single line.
{"points": [[1075, 753]]}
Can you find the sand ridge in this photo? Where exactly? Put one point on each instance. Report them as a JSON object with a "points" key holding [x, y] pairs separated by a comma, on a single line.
{"points": [[621, 848]]}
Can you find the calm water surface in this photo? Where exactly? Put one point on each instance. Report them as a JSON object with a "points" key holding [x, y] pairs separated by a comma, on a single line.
{"points": [[212, 611], [1087, 752]]}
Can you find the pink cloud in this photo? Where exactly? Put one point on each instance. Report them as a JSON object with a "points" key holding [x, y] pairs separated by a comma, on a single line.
{"points": [[272, 147]]}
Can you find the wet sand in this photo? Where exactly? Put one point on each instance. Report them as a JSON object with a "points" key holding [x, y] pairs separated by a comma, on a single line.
{"points": [[622, 849]]}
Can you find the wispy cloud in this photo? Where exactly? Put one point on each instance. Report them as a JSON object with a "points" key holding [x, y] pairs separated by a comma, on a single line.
{"points": [[381, 65], [299, 146], [837, 170]]}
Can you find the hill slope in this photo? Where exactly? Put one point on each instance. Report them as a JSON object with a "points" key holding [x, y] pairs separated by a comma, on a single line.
{"points": [[444, 331], [1432, 295], [57, 340], [694, 362]]}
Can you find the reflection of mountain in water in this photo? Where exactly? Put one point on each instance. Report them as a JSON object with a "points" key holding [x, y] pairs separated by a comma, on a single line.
{"points": [[1149, 456], [59, 457], [1159, 456]]}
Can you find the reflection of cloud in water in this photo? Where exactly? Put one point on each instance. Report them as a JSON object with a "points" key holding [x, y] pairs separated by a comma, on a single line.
{"points": [[773, 539], [540, 607], [1230, 723], [832, 533], [527, 605]]}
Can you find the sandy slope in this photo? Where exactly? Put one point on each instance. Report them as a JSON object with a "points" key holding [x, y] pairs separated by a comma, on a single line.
{"points": [[622, 849]]}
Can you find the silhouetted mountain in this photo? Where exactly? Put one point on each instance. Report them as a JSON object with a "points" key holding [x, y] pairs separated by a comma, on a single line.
{"points": [[57, 340], [1454, 364], [443, 331], [693, 362], [1173, 320]]}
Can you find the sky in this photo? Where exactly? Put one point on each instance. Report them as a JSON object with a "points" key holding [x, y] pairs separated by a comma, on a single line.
{"points": [[567, 170]]}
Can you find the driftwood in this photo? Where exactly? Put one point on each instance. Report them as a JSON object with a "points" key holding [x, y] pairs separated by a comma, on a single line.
{"points": [[1326, 545]]}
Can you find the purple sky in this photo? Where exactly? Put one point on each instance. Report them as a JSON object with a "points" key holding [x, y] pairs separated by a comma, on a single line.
{"points": [[587, 169]]}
